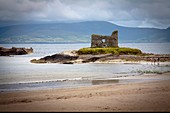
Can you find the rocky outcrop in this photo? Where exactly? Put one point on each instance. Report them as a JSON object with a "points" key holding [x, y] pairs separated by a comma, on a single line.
{"points": [[14, 51], [56, 58], [72, 57]]}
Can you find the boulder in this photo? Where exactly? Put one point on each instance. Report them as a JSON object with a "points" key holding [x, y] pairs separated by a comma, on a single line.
{"points": [[56, 58], [14, 51]]}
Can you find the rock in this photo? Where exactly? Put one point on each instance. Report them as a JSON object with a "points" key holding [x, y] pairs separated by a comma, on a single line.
{"points": [[94, 58], [14, 51], [56, 58], [70, 57], [70, 53], [68, 63]]}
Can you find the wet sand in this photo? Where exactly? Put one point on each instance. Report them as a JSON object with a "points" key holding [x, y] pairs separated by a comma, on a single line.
{"points": [[152, 94]]}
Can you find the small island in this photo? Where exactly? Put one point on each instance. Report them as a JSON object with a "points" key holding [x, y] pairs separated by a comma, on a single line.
{"points": [[104, 49], [103, 55], [15, 51]]}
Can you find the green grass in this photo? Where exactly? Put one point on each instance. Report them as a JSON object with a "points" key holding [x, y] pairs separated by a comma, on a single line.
{"points": [[115, 51]]}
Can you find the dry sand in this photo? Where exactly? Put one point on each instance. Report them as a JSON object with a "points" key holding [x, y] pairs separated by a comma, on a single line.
{"points": [[136, 96]]}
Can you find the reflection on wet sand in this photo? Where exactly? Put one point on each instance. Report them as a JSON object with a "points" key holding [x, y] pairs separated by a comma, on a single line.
{"points": [[97, 82]]}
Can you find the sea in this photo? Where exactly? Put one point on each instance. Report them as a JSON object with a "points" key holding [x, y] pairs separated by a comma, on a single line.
{"points": [[17, 73]]}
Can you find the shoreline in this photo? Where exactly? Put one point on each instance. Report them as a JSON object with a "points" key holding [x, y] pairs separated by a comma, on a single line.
{"points": [[120, 78], [150, 95], [74, 57], [120, 61]]}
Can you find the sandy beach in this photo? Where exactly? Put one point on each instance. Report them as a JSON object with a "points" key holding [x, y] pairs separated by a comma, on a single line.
{"points": [[152, 94]]}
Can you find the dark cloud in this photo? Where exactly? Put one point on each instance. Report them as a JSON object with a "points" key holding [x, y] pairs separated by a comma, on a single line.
{"points": [[136, 13]]}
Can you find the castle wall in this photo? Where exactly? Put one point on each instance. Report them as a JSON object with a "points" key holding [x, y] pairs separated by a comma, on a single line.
{"points": [[105, 41]]}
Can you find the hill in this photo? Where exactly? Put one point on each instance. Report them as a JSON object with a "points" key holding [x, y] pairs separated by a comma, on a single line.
{"points": [[78, 32]]}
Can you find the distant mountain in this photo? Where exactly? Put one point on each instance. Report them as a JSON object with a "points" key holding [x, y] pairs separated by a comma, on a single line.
{"points": [[78, 32]]}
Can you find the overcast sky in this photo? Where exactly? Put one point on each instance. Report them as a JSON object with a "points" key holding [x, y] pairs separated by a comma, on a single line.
{"points": [[133, 13]]}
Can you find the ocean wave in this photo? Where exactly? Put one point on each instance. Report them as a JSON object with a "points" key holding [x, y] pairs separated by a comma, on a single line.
{"points": [[47, 81]]}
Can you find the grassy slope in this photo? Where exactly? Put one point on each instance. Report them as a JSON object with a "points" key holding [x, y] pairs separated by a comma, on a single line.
{"points": [[115, 51]]}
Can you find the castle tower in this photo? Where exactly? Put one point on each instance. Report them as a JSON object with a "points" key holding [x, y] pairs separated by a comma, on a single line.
{"points": [[105, 41]]}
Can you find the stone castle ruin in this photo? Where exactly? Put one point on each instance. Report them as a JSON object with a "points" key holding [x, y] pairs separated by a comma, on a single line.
{"points": [[104, 41]]}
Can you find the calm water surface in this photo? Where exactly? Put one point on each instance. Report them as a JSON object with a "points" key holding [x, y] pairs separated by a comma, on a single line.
{"points": [[17, 73]]}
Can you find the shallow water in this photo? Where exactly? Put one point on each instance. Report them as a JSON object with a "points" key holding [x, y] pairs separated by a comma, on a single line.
{"points": [[17, 73]]}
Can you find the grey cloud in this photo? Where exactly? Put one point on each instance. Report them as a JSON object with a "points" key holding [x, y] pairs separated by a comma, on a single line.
{"points": [[137, 13], [19, 9]]}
